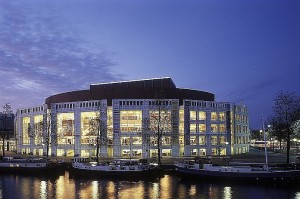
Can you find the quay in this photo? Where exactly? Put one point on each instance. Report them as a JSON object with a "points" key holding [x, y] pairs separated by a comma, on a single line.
{"points": [[254, 156]]}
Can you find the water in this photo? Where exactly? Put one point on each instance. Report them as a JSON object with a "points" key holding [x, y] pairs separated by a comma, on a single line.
{"points": [[169, 186]]}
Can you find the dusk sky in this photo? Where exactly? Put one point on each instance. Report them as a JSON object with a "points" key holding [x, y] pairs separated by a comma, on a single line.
{"points": [[242, 51]]}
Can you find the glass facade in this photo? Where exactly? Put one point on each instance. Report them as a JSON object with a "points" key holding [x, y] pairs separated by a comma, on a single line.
{"points": [[38, 129], [65, 128], [130, 121], [89, 127], [26, 130], [201, 128]]}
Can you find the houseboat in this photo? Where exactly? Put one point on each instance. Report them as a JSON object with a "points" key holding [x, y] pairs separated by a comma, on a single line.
{"points": [[120, 168]]}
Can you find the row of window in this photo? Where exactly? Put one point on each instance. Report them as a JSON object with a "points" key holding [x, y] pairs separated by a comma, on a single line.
{"points": [[241, 118], [131, 103], [201, 128], [241, 129], [36, 109], [214, 140], [208, 104], [201, 115]]}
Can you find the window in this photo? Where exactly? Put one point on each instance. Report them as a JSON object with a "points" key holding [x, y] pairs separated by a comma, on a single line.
{"points": [[193, 128], [65, 128], [89, 127], [130, 121], [202, 128], [192, 115], [136, 141], [125, 141], [38, 129], [213, 115], [193, 140], [166, 140], [161, 119], [181, 121], [202, 115], [222, 128], [181, 140], [214, 140], [222, 140], [214, 128], [202, 140], [26, 130], [222, 116]]}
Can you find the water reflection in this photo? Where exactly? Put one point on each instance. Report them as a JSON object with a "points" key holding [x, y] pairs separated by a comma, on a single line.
{"points": [[14, 186]]}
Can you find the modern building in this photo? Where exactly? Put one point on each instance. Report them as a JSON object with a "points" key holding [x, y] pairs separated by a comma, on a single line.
{"points": [[125, 118], [7, 128]]}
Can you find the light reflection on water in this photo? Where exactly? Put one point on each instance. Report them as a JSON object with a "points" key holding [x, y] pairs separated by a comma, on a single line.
{"points": [[14, 186]]}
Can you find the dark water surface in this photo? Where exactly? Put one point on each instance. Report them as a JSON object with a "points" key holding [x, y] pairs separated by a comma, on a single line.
{"points": [[169, 186]]}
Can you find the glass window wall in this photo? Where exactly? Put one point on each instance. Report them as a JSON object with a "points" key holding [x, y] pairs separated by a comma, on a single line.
{"points": [[202, 128], [193, 115], [214, 128], [26, 130], [38, 129], [214, 116], [193, 128], [89, 127], [130, 121], [222, 116], [65, 128], [202, 115]]}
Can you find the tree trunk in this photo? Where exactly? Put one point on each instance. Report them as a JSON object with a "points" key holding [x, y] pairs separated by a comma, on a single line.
{"points": [[158, 152], [47, 152], [288, 146]]}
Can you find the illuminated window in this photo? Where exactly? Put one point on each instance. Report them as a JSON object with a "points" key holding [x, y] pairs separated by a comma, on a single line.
{"points": [[202, 115], [130, 121], [136, 141], [193, 140], [238, 117], [214, 140], [26, 130], [125, 141], [222, 116], [202, 128], [222, 128], [160, 119], [202, 152], [193, 128], [181, 140], [214, 128], [181, 121], [166, 152], [194, 152], [89, 127], [192, 115], [202, 140], [38, 129], [213, 115], [65, 128], [166, 140], [222, 140], [109, 126]]}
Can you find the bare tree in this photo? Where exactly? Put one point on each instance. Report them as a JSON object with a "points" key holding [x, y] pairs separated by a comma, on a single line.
{"points": [[286, 112], [49, 126], [6, 126], [98, 130], [159, 123]]}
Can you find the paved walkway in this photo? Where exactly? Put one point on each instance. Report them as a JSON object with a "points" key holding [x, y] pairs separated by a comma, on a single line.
{"points": [[254, 156]]}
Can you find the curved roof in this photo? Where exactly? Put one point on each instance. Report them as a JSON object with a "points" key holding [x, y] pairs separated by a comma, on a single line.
{"points": [[139, 89]]}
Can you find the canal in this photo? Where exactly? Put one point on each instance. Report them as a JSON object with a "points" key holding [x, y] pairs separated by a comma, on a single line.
{"points": [[168, 186]]}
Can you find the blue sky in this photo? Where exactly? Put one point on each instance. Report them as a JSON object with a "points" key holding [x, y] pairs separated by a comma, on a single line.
{"points": [[242, 51]]}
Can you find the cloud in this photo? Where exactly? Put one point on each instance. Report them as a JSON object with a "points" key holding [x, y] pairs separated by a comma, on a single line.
{"points": [[40, 53]]}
